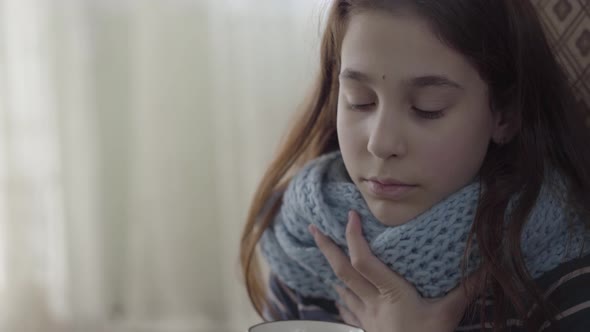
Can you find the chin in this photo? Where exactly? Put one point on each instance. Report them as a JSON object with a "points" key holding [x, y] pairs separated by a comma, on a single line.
{"points": [[390, 213], [391, 222]]}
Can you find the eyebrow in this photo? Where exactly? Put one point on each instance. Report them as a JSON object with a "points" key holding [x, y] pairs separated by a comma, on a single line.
{"points": [[417, 82]]}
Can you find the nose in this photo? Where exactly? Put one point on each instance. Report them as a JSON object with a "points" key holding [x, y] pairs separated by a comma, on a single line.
{"points": [[387, 135]]}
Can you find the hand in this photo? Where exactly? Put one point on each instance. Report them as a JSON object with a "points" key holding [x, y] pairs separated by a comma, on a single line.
{"points": [[377, 298]]}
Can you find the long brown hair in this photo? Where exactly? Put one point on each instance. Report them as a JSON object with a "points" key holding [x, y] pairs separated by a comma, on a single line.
{"points": [[504, 41]]}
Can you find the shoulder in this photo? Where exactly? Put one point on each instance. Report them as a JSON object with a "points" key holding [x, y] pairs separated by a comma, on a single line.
{"points": [[562, 275], [567, 289]]}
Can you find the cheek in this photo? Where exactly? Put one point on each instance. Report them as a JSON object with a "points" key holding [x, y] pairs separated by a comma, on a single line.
{"points": [[350, 132], [460, 148], [455, 158]]}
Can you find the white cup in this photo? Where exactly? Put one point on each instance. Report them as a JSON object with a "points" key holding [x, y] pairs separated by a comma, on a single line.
{"points": [[303, 326]]}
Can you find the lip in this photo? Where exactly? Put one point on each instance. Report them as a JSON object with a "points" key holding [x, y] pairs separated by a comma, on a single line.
{"points": [[388, 182], [389, 188]]}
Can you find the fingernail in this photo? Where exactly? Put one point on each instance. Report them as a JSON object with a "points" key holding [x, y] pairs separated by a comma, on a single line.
{"points": [[352, 218], [313, 230]]}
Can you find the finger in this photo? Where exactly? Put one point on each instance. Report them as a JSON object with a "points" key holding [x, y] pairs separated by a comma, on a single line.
{"points": [[350, 299], [341, 266], [348, 317], [380, 275]]}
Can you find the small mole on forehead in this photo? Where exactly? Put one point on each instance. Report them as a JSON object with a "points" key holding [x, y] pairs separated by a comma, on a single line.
{"points": [[384, 77]]}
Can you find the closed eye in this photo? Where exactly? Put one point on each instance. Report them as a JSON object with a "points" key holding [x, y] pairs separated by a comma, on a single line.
{"points": [[431, 115], [426, 114], [361, 107]]}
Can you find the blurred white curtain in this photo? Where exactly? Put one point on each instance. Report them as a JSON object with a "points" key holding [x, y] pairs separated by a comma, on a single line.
{"points": [[132, 136]]}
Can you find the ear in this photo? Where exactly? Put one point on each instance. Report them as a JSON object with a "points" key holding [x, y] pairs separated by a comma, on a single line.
{"points": [[506, 125]]}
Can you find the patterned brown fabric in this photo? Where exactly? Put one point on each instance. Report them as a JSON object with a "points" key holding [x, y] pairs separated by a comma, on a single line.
{"points": [[567, 25]]}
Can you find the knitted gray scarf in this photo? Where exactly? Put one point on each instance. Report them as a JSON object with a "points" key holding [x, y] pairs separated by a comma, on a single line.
{"points": [[426, 251]]}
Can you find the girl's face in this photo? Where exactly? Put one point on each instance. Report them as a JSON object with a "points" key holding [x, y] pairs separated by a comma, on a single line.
{"points": [[411, 110]]}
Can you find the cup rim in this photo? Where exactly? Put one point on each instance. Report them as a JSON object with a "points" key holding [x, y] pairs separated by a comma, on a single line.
{"points": [[304, 320]]}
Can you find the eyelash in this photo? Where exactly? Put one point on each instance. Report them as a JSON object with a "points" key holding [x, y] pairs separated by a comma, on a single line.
{"points": [[360, 107], [430, 115]]}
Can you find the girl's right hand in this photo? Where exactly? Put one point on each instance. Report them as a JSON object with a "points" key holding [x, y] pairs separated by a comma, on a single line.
{"points": [[380, 300]]}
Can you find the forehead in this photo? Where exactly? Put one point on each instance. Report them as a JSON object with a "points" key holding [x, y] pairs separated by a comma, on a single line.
{"points": [[399, 46]]}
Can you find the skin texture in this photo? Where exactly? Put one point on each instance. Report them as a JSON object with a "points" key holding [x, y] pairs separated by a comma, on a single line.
{"points": [[398, 118]]}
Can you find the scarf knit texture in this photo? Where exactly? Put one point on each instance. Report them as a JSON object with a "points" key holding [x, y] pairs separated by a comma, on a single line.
{"points": [[426, 251]]}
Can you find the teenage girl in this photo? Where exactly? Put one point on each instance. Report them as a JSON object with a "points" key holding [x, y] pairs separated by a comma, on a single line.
{"points": [[437, 179]]}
